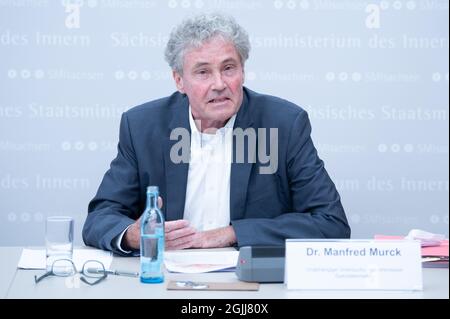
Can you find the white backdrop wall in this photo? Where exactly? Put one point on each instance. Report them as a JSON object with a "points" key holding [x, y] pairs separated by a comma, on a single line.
{"points": [[373, 76]]}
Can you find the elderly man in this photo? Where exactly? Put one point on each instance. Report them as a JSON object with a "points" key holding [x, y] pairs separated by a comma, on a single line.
{"points": [[237, 200]]}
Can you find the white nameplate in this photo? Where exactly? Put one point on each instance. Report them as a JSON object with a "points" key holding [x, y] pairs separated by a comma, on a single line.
{"points": [[353, 264]]}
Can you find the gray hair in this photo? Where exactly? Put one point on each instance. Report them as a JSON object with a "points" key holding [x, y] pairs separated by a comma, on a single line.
{"points": [[195, 31]]}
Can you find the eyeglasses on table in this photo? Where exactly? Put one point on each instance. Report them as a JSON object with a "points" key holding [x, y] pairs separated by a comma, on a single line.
{"points": [[93, 271]]}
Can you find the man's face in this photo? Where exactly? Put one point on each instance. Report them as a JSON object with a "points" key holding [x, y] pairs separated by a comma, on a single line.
{"points": [[212, 79]]}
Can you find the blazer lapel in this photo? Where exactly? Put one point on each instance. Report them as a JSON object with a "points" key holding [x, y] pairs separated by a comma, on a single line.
{"points": [[176, 173], [240, 172]]}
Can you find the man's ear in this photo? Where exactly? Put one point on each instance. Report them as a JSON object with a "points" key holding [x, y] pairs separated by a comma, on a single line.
{"points": [[178, 81]]}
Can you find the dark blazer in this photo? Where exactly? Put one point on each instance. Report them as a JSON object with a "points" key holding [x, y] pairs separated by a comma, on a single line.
{"points": [[298, 201]]}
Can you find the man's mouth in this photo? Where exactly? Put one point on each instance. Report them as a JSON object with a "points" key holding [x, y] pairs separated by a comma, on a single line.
{"points": [[218, 100]]}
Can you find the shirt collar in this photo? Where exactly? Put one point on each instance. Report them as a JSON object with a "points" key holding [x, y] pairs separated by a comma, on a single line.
{"points": [[222, 130]]}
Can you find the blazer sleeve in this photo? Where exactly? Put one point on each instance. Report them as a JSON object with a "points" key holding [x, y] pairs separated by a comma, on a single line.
{"points": [[317, 211], [116, 204]]}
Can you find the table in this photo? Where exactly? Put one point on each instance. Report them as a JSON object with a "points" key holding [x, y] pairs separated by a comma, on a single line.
{"points": [[19, 283]]}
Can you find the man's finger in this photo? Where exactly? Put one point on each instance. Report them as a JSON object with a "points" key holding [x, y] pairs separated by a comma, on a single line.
{"points": [[181, 246], [175, 224], [137, 223], [180, 243], [160, 202], [179, 233]]}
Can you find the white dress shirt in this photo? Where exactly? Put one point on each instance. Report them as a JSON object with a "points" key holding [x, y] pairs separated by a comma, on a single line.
{"points": [[207, 204]]}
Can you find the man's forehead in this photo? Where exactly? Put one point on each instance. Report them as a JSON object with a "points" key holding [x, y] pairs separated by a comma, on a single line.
{"points": [[216, 49]]}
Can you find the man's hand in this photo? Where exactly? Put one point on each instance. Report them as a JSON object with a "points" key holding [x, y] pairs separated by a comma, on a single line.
{"points": [[214, 238], [132, 238], [179, 235]]}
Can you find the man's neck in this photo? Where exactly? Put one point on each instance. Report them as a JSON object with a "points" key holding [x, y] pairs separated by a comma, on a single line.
{"points": [[209, 127]]}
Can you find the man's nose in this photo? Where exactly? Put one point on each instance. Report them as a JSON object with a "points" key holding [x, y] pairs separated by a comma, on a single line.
{"points": [[218, 83]]}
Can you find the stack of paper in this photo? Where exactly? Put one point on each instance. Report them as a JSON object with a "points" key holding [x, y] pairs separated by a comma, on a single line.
{"points": [[35, 258], [200, 261]]}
